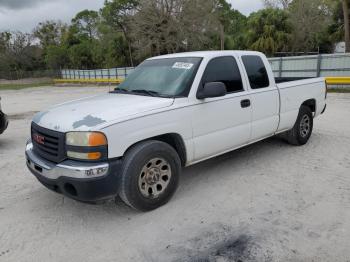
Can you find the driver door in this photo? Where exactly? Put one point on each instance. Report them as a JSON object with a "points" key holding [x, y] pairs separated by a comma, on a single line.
{"points": [[223, 123]]}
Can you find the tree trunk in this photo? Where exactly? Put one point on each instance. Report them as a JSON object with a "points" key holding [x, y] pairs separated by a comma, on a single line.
{"points": [[130, 53], [222, 37], [346, 7], [129, 45]]}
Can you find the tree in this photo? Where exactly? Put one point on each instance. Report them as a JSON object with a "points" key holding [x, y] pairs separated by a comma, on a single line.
{"points": [[50, 33], [310, 20], [223, 10], [81, 55], [19, 53], [277, 3], [118, 14], [269, 31], [5, 57], [56, 57], [346, 7], [112, 50], [169, 26], [86, 23], [199, 25], [235, 27], [156, 28]]}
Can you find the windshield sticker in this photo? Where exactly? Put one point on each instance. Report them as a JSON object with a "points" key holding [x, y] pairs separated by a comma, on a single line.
{"points": [[182, 65]]}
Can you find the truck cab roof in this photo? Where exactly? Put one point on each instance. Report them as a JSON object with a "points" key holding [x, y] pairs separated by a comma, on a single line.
{"points": [[208, 54]]}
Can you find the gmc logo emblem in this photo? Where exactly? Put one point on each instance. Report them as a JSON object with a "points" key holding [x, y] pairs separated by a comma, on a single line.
{"points": [[39, 139]]}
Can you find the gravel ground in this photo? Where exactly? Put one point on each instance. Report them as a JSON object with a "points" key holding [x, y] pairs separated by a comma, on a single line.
{"points": [[266, 202]]}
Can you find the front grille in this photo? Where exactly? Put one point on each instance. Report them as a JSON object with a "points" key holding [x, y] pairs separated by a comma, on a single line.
{"points": [[48, 144]]}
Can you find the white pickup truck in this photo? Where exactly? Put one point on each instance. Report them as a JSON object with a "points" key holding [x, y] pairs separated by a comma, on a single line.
{"points": [[171, 112]]}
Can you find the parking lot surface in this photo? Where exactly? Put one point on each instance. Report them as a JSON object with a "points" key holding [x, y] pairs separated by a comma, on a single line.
{"points": [[266, 202]]}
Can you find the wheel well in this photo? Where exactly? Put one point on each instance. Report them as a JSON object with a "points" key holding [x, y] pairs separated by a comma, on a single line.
{"points": [[175, 141], [311, 103]]}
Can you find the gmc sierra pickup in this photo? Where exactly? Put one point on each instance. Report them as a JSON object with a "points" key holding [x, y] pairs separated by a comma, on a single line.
{"points": [[172, 111], [3, 120]]}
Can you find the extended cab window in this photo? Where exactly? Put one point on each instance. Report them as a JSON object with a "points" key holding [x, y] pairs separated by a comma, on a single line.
{"points": [[224, 69], [256, 71]]}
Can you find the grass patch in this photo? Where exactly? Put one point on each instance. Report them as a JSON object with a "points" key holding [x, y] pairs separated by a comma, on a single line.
{"points": [[22, 86], [339, 90]]}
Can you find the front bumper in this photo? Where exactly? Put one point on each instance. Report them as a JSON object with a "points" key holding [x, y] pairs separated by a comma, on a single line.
{"points": [[87, 182], [3, 122]]}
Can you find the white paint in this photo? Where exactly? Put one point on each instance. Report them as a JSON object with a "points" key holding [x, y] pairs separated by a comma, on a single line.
{"points": [[208, 127]]}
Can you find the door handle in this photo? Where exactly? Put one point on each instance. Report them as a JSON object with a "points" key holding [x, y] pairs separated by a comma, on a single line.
{"points": [[245, 103]]}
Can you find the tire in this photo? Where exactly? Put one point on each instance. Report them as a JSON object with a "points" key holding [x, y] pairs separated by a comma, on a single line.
{"points": [[302, 130], [150, 175]]}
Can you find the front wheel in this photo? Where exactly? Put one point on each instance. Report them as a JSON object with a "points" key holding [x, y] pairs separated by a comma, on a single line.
{"points": [[302, 130], [150, 175]]}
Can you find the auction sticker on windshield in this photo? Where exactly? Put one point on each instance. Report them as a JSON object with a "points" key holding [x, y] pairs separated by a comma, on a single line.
{"points": [[182, 65]]}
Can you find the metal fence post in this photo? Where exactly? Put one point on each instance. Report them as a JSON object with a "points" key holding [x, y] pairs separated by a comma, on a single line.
{"points": [[280, 67], [319, 61]]}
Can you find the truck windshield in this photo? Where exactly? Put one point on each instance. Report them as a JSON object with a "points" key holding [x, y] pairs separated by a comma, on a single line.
{"points": [[167, 77]]}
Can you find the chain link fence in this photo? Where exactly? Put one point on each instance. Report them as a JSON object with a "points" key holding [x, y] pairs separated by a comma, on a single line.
{"points": [[312, 66], [97, 74], [20, 74], [298, 66]]}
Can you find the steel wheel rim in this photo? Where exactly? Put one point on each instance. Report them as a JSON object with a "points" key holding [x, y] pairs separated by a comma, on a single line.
{"points": [[154, 177], [305, 124]]}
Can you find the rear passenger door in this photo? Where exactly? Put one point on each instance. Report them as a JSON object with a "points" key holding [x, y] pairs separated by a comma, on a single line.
{"points": [[264, 97], [222, 123]]}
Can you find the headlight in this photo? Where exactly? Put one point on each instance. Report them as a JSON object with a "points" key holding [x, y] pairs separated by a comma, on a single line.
{"points": [[86, 139], [86, 145]]}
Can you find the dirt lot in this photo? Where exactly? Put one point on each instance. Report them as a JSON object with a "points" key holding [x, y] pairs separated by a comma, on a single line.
{"points": [[266, 202]]}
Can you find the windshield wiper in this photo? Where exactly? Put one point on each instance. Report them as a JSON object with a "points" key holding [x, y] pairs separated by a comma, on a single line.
{"points": [[120, 90], [147, 92], [140, 91]]}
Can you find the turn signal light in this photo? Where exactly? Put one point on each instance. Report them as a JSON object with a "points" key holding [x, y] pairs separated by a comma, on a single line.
{"points": [[97, 139]]}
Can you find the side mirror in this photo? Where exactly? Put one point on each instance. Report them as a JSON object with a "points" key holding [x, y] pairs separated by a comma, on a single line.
{"points": [[212, 89]]}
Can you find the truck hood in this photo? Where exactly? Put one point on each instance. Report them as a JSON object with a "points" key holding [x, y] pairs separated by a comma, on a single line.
{"points": [[88, 113]]}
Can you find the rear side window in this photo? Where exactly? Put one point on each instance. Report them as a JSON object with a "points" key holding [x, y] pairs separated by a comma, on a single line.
{"points": [[225, 70], [256, 71]]}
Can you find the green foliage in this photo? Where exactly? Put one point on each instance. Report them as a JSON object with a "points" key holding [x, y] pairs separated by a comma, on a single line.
{"points": [[269, 31], [117, 12], [311, 20], [56, 57], [50, 33], [85, 23], [124, 32]]}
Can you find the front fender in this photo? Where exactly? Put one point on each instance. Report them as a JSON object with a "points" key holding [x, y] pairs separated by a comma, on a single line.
{"points": [[123, 135]]}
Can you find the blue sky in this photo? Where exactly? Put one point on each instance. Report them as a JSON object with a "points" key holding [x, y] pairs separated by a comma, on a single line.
{"points": [[24, 15]]}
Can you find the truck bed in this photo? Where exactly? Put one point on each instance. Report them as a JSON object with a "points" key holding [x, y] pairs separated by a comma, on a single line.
{"points": [[279, 80]]}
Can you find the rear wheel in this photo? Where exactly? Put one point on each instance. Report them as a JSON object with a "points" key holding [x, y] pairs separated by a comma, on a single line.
{"points": [[150, 175], [302, 130]]}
